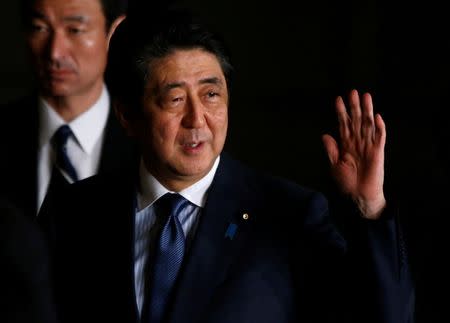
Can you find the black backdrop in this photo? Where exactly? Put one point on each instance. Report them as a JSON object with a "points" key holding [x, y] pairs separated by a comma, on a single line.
{"points": [[292, 58]]}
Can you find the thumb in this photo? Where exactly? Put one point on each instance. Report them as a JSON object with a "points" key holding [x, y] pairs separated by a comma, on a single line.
{"points": [[331, 148]]}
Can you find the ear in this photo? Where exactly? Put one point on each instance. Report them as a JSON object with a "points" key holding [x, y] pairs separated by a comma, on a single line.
{"points": [[125, 119], [113, 27]]}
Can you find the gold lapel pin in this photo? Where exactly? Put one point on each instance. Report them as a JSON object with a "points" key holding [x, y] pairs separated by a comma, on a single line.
{"points": [[245, 216]]}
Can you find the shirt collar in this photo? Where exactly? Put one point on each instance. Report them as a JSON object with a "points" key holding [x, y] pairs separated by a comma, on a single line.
{"points": [[151, 189], [87, 127]]}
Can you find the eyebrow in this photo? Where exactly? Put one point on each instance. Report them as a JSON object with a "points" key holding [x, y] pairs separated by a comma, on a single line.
{"points": [[211, 80], [170, 86], [76, 18], [208, 80], [72, 18]]}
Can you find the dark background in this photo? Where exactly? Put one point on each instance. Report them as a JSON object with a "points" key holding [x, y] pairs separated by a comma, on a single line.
{"points": [[292, 58]]}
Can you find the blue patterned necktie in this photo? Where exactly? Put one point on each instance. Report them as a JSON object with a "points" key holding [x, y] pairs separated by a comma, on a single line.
{"points": [[168, 257], [59, 141]]}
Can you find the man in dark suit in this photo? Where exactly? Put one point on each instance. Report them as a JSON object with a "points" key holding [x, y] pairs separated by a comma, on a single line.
{"points": [[68, 42], [26, 294], [424, 198], [236, 245]]}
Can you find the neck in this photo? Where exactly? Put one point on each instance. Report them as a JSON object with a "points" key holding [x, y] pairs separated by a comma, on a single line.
{"points": [[70, 107], [172, 181], [176, 185]]}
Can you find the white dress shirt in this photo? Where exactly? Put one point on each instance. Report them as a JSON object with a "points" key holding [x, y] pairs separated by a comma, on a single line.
{"points": [[150, 191], [83, 148]]}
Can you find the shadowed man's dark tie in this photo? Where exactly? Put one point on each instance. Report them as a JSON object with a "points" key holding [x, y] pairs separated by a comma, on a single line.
{"points": [[168, 258], [59, 141]]}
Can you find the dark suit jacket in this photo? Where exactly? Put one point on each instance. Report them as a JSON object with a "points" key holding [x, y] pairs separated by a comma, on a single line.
{"points": [[425, 200], [19, 144], [285, 263], [25, 284]]}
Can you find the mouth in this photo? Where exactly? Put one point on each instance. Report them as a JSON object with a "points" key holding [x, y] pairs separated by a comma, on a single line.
{"points": [[192, 147], [58, 74]]}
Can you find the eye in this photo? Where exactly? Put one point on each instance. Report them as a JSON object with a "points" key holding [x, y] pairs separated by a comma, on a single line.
{"points": [[75, 30], [171, 101], [212, 96], [38, 28]]}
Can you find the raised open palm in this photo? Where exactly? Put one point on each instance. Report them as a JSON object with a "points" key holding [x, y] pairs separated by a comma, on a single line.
{"points": [[357, 161]]}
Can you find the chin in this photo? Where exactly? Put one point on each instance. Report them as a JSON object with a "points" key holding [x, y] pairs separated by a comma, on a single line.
{"points": [[59, 90], [194, 170]]}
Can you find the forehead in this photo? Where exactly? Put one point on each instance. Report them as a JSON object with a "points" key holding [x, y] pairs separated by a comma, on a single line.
{"points": [[64, 8], [188, 66]]}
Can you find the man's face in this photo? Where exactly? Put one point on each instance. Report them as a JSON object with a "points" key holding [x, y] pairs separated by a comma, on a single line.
{"points": [[185, 120], [69, 42]]}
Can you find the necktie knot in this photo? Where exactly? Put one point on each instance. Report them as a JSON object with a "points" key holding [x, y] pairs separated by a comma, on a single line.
{"points": [[61, 136], [171, 204]]}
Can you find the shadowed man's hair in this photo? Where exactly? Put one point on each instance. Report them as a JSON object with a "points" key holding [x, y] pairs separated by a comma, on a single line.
{"points": [[112, 9], [148, 35]]}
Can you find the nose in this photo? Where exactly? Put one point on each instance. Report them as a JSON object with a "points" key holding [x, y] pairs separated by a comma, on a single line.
{"points": [[195, 114], [57, 46]]}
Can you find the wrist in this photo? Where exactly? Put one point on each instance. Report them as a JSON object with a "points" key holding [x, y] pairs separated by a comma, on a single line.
{"points": [[371, 209]]}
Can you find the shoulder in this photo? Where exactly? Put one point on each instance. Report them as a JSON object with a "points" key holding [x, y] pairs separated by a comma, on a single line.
{"points": [[101, 187], [98, 200], [98, 194], [281, 206], [264, 184], [271, 195], [118, 149]]}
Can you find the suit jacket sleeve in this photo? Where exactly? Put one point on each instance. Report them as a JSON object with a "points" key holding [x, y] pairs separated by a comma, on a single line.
{"points": [[375, 266]]}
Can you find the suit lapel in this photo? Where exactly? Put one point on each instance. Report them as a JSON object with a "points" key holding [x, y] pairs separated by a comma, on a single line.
{"points": [[220, 234], [117, 149]]}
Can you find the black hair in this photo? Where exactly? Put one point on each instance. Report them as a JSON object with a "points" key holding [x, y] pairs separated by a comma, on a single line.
{"points": [[112, 9], [147, 35]]}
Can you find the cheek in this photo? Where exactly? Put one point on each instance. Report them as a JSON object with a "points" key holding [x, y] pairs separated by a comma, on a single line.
{"points": [[94, 49], [219, 122], [91, 64], [89, 44], [164, 132], [93, 42], [36, 46]]}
